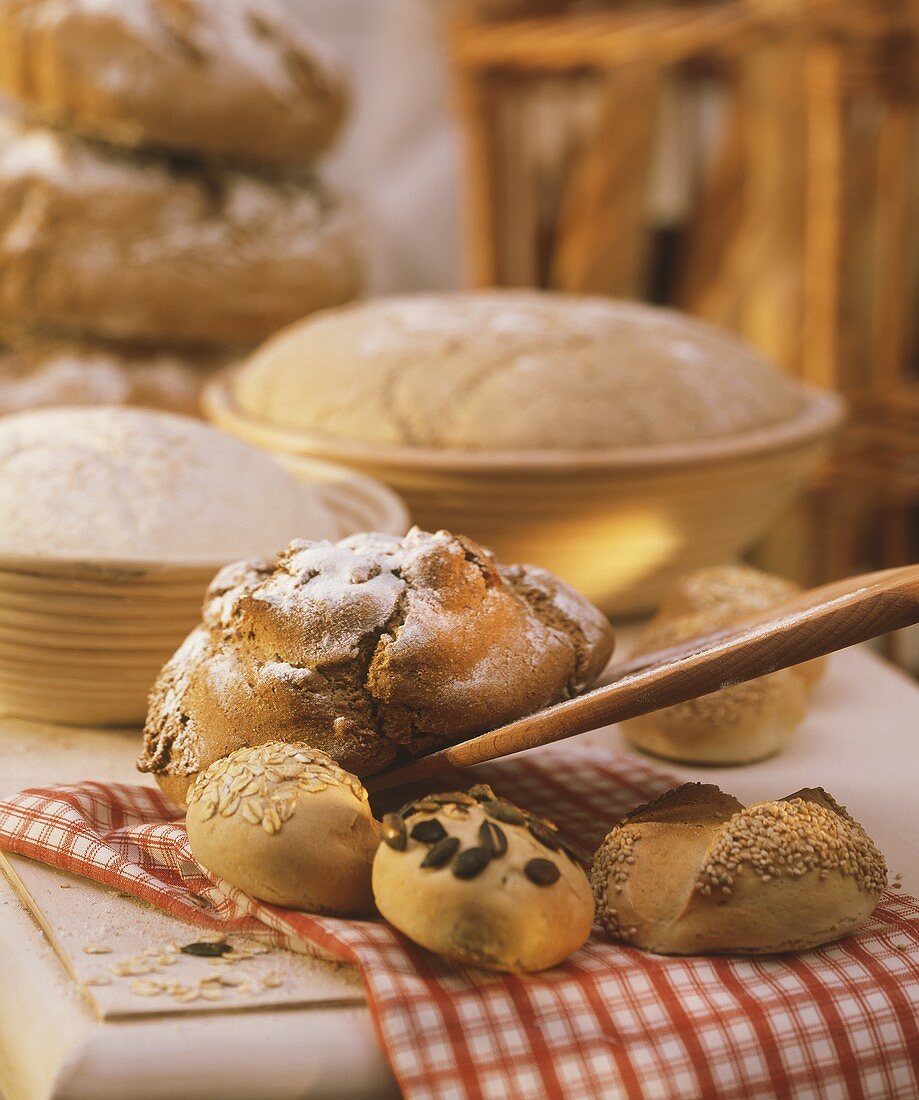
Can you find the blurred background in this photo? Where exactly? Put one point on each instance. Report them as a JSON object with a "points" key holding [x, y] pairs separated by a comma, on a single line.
{"points": [[755, 162], [752, 162]]}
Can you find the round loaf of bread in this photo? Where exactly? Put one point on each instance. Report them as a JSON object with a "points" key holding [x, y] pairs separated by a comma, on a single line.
{"points": [[696, 873], [96, 241], [236, 79], [132, 485], [41, 371], [741, 723], [482, 882], [283, 823], [504, 370], [370, 649]]}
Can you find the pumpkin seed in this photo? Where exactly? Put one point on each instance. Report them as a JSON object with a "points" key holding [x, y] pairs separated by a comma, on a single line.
{"points": [[207, 950], [546, 837], [470, 863], [442, 852], [493, 838], [542, 872], [428, 832], [392, 832], [481, 792], [504, 811]]}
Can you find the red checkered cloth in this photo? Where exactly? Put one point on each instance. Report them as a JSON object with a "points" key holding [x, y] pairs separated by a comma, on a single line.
{"points": [[612, 1021]]}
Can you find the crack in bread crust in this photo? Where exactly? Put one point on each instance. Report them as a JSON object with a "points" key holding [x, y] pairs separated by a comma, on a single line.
{"points": [[373, 649]]}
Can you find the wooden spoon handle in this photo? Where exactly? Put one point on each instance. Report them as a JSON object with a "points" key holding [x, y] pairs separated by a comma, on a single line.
{"points": [[811, 625]]}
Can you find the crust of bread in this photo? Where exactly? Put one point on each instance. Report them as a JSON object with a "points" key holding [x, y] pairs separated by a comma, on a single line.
{"points": [[38, 371], [697, 873], [512, 370], [498, 920], [116, 484], [369, 649], [139, 248], [285, 824], [235, 79]]}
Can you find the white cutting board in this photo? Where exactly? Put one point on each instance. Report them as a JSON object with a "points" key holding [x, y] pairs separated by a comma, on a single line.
{"points": [[121, 953], [101, 935], [64, 1039]]}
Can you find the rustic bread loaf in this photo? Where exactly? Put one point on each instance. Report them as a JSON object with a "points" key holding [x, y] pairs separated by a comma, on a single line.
{"points": [[740, 723], [512, 370], [694, 872], [283, 823], [238, 79], [104, 484], [482, 882], [139, 248], [371, 648], [38, 371]]}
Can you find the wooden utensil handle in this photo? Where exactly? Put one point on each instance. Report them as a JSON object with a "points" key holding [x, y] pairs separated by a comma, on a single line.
{"points": [[818, 622]]}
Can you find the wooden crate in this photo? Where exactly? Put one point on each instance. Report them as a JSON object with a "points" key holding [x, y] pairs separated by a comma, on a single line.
{"points": [[793, 130]]}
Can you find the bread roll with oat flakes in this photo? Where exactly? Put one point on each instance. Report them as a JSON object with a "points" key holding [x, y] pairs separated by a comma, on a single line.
{"points": [[740, 723], [480, 881], [695, 872], [231, 79], [371, 649], [285, 824]]}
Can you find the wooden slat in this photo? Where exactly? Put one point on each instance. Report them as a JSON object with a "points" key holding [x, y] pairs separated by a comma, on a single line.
{"points": [[824, 84], [603, 236]]}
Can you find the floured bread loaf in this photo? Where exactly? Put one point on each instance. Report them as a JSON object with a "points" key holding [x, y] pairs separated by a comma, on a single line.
{"points": [[695, 872], [740, 723], [137, 248], [40, 372], [240, 79], [135, 485], [512, 370], [369, 649]]}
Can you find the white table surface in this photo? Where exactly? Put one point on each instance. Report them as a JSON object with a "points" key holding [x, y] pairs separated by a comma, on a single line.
{"points": [[860, 741]]}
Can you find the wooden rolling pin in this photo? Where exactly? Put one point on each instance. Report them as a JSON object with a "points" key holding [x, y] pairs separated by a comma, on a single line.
{"points": [[813, 624]]}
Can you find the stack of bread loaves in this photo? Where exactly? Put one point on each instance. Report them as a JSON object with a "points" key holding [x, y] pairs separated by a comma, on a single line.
{"points": [[157, 206]]}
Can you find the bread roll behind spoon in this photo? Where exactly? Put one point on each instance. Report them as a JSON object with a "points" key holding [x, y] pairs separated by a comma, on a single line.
{"points": [[744, 722], [731, 592], [695, 872]]}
